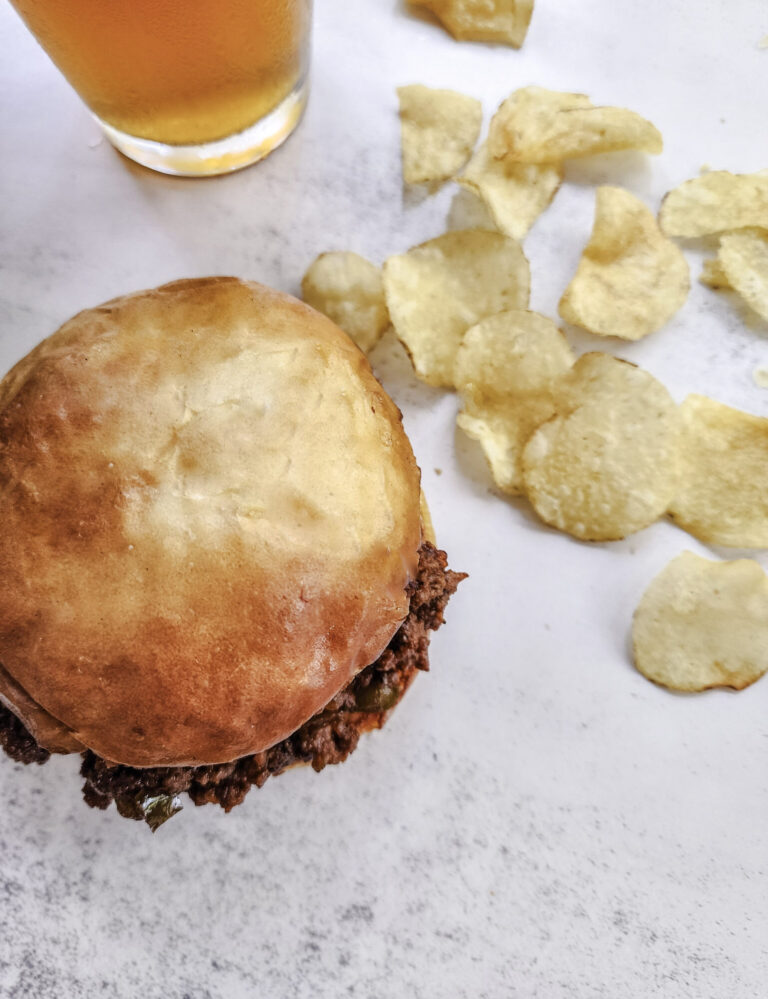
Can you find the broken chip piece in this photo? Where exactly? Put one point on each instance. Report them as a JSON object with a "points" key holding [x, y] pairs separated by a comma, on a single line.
{"points": [[535, 125], [515, 194], [349, 290], [505, 370], [439, 129], [483, 20], [716, 202], [703, 624], [437, 290], [606, 464], [631, 279], [722, 497]]}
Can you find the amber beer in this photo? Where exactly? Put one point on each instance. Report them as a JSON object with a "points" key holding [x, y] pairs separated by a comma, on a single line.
{"points": [[177, 72]]}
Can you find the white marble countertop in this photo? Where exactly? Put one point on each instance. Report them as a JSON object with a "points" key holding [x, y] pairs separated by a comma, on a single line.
{"points": [[536, 819]]}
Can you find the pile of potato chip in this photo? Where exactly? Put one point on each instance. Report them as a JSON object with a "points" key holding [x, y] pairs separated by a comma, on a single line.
{"points": [[597, 445]]}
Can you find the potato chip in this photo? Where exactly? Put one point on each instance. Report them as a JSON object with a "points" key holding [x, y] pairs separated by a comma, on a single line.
{"points": [[515, 194], [439, 129], [743, 257], [631, 279], [436, 291], [716, 202], [483, 20], [534, 125], [468, 211], [703, 624], [505, 371], [606, 464], [722, 497], [349, 290], [427, 528], [713, 275]]}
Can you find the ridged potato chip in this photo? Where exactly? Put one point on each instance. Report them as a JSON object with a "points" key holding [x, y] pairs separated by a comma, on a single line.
{"points": [[743, 257], [505, 371], [631, 279], [535, 125], [722, 497], [349, 290], [715, 202], [515, 194], [439, 129], [483, 20], [703, 624], [606, 464], [436, 291]]}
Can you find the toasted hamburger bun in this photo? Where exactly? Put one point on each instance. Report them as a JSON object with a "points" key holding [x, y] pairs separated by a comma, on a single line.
{"points": [[210, 515]]}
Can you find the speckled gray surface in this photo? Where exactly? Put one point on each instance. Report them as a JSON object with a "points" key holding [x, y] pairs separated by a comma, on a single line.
{"points": [[536, 820]]}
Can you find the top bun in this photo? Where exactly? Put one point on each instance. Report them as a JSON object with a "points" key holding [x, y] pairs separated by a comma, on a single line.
{"points": [[210, 514]]}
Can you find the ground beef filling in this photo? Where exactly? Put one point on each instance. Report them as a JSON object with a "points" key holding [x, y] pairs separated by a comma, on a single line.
{"points": [[328, 737], [18, 743]]}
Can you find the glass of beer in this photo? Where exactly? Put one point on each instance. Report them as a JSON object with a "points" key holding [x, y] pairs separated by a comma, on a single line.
{"points": [[189, 87]]}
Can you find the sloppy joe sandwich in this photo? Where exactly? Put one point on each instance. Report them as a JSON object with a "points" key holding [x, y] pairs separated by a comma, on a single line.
{"points": [[212, 555]]}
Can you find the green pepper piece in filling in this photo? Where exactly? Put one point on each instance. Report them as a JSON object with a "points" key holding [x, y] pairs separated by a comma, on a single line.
{"points": [[155, 809], [377, 697]]}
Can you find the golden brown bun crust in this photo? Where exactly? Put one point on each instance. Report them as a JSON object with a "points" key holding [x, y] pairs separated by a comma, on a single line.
{"points": [[47, 732], [210, 512]]}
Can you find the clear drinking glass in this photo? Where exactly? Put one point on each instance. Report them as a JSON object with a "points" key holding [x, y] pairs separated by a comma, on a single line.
{"points": [[190, 87]]}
